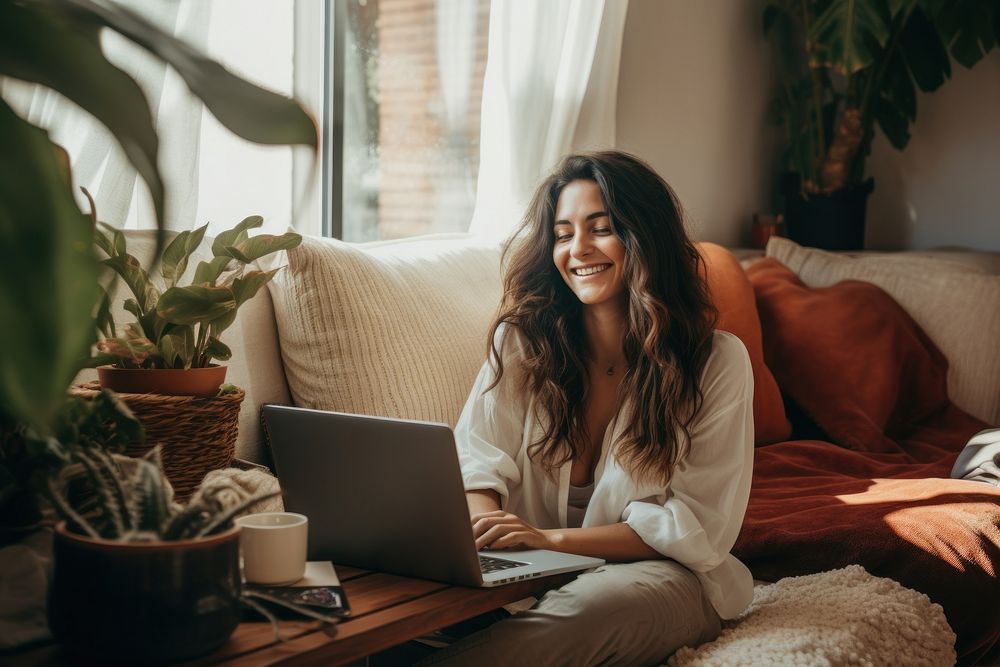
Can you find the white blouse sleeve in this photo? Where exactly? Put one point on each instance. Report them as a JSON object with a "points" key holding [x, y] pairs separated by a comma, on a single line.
{"points": [[707, 496], [489, 433]]}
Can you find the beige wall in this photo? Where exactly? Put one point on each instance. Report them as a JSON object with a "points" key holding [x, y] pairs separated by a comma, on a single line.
{"points": [[944, 189], [692, 100]]}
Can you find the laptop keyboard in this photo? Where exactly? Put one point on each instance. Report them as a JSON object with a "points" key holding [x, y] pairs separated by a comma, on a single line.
{"points": [[488, 564]]}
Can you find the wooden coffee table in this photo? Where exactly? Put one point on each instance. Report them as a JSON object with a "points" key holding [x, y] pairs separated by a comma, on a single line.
{"points": [[386, 610]]}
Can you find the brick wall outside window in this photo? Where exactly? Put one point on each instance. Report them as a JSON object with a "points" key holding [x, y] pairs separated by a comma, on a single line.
{"points": [[409, 168]]}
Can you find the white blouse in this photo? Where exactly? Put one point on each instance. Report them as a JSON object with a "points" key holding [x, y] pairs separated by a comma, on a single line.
{"points": [[694, 520]]}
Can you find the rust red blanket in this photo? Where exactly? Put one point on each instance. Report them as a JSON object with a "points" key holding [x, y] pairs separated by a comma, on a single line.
{"points": [[875, 489]]}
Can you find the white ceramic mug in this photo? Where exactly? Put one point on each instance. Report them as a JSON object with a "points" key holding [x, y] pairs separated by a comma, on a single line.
{"points": [[274, 547]]}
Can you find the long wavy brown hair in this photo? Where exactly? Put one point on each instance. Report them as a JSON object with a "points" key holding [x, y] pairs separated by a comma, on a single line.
{"points": [[668, 332]]}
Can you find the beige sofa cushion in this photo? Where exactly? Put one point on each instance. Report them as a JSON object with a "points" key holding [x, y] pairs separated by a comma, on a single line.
{"points": [[394, 329], [253, 338], [956, 304]]}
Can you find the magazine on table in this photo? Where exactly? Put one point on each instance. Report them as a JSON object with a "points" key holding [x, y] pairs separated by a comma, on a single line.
{"points": [[318, 594]]}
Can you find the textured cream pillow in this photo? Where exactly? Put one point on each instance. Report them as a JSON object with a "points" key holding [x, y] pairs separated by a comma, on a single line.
{"points": [[959, 308], [394, 329]]}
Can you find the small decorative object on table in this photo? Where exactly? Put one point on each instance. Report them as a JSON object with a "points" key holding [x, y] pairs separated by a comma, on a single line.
{"points": [[764, 227], [318, 594]]}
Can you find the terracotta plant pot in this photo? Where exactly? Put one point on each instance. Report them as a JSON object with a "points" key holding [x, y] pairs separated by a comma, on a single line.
{"points": [[166, 381], [143, 603]]}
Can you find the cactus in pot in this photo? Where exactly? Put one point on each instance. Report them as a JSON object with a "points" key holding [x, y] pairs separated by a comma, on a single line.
{"points": [[139, 577]]}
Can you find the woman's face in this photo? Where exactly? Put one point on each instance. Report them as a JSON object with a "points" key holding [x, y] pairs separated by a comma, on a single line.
{"points": [[589, 255]]}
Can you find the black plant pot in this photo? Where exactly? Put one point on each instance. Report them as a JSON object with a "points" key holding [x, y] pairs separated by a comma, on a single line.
{"points": [[834, 221], [144, 603]]}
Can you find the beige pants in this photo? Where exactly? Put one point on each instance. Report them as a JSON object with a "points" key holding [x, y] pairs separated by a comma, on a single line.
{"points": [[619, 614]]}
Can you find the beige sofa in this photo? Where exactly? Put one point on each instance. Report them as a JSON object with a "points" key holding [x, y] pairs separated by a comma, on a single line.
{"points": [[398, 328]]}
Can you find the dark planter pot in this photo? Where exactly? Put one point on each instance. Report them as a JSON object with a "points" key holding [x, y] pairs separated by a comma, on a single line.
{"points": [[834, 221], [165, 381], [144, 603]]}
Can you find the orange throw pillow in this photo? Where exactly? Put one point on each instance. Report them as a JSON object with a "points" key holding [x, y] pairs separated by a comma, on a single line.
{"points": [[733, 296], [850, 356]]}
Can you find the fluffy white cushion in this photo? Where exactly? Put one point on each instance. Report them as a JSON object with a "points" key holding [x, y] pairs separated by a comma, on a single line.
{"points": [[840, 617], [394, 329], [956, 304]]}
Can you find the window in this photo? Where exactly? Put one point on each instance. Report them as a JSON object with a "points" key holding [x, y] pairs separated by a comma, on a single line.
{"points": [[405, 115]]}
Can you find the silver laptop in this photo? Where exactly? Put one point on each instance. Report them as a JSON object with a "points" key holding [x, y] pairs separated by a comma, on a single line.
{"points": [[387, 495]]}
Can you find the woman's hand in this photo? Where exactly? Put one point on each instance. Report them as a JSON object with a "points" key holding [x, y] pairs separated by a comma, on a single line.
{"points": [[503, 530]]}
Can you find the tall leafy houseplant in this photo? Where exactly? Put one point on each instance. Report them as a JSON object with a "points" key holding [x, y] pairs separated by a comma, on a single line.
{"points": [[49, 269], [51, 301], [846, 67]]}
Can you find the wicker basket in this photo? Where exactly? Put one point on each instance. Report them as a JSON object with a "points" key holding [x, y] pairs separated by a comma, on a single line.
{"points": [[197, 435]]}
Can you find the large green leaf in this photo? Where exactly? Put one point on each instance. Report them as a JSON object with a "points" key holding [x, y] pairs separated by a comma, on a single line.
{"points": [[923, 51], [177, 348], [899, 86], [105, 320], [172, 256], [244, 288], [132, 273], [194, 303], [44, 45], [132, 306], [263, 244], [216, 349], [48, 276], [235, 235], [103, 242], [117, 239], [996, 23], [843, 33], [249, 111], [893, 124], [208, 272], [966, 29], [175, 256]]}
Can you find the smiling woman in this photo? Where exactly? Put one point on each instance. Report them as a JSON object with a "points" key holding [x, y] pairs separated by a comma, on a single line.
{"points": [[610, 420], [588, 254]]}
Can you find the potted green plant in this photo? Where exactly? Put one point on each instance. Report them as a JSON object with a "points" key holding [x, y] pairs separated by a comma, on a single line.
{"points": [[138, 577], [845, 67], [49, 271], [176, 335], [50, 292]]}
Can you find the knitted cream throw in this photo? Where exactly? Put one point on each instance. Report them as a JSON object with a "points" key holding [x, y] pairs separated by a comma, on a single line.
{"points": [[840, 617], [252, 482]]}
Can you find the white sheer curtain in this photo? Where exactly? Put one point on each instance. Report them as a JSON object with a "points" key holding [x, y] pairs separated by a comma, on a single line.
{"points": [[210, 175], [551, 88]]}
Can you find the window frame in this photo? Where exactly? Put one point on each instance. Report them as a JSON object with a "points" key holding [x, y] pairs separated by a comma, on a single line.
{"points": [[334, 28]]}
